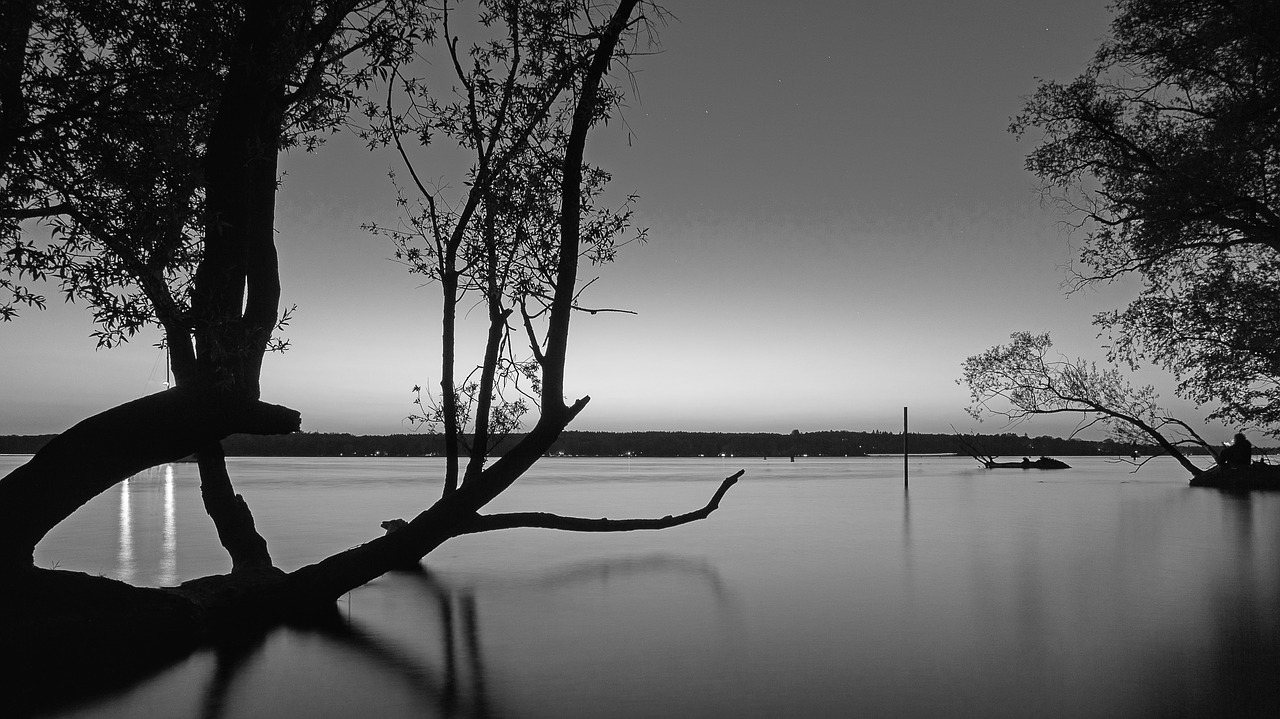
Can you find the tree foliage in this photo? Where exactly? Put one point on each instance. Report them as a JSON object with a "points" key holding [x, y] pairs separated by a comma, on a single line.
{"points": [[1166, 152], [1022, 378], [108, 113]]}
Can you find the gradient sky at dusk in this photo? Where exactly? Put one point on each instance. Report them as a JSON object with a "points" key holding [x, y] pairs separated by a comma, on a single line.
{"points": [[837, 217]]}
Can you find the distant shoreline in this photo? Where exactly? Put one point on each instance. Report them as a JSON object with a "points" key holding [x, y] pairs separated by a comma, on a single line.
{"points": [[827, 443]]}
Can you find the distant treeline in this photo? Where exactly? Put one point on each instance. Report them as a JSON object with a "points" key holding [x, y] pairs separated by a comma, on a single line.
{"points": [[653, 444]]}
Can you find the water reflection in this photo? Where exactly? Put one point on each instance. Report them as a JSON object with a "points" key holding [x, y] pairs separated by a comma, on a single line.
{"points": [[459, 688], [124, 557], [136, 541], [1238, 508], [906, 529], [973, 594], [405, 666], [169, 552], [697, 572], [231, 659], [1244, 666], [1149, 601]]}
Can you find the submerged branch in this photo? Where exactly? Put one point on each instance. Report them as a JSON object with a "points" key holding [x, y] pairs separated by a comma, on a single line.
{"points": [[546, 520]]}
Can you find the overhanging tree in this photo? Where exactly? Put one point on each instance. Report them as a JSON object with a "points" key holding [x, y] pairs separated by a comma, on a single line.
{"points": [[1166, 153], [1022, 379], [204, 266]]}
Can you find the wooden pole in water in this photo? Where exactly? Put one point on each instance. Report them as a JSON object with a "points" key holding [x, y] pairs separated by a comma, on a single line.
{"points": [[905, 452]]}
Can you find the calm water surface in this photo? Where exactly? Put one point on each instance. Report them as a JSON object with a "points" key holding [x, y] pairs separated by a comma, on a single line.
{"points": [[821, 588]]}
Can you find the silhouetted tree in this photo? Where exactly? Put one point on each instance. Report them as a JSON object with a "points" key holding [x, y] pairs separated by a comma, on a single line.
{"points": [[162, 201], [146, 138], [1166, 152], [499, 237]]}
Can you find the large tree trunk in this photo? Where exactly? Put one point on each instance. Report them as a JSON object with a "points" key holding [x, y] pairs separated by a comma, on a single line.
{"points": [[106, 448], [230, 513], [236, 294]]}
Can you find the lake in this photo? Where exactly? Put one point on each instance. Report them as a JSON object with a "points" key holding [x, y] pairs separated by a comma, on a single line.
{"points": [[821, 588]]}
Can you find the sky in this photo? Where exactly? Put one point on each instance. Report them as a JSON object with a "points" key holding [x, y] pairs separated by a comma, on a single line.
{"points": [[837, 217]]}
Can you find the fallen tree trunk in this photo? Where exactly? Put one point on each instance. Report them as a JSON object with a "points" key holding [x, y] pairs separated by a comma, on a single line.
{"points": [[1026, 463]]}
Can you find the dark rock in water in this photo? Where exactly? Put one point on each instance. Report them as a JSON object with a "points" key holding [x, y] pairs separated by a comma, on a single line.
{"points": [[1256, 476]]}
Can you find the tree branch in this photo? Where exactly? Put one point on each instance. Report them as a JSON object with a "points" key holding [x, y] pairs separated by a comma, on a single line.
{"points": [[546, 520], [30, 213]]}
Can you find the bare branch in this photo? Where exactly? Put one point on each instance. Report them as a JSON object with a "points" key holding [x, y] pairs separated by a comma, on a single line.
{"points": [[545, 520]]}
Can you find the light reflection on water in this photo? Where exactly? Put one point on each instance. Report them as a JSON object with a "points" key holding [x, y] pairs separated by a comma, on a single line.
{"points": [[149, 496], [125, 560], [821, 588], [169, 551]]}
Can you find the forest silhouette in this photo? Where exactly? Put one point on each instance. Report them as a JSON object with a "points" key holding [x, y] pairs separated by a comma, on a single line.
{"points": [[571, 443]]}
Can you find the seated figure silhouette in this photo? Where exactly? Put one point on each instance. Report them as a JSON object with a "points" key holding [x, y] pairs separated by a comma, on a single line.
{"points": [[1239, 454]]}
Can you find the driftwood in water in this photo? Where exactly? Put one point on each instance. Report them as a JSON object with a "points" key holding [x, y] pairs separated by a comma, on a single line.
{"points": [[989, 461], [1026, 463]]}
